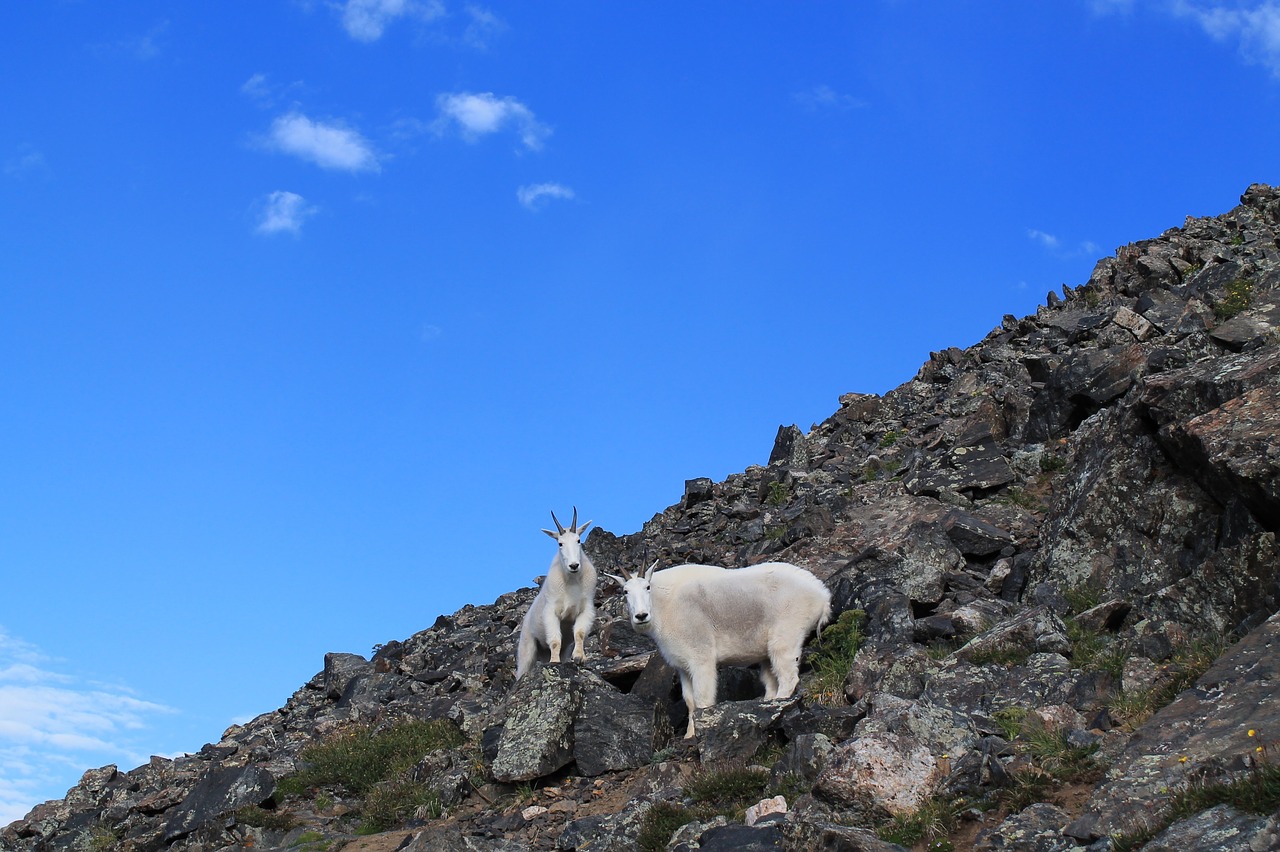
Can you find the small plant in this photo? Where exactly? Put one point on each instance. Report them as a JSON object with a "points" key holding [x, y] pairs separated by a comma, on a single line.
{"points": [[1020, 498], [1052, 753], [662, 755], [393, 802], [776, 532], [790, 786], [931, 822], [1092, 650], [832, 659], [1026, 788], [374, 765], [1239, 295], [1084, 596], [779, 493], [730, 790], [103, 838], [1010, 720], [1052, 463], [890, 438], [310, 841], [270, 819], [660, 822], [1188, 662]]}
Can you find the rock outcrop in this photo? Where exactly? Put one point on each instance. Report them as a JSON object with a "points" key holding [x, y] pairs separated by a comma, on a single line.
{"points": [[1061, 542]]}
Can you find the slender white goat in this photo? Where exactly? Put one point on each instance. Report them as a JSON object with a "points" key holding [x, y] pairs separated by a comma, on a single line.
{"points": [[704, 615], [565, 605]]}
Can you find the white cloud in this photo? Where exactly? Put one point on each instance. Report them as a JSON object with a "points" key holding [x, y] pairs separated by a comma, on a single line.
{"points": [[533, 196], [479, 114], [53, 724], [1049, 241], [482, 28], [1254, 27], [826, 98], [284, 211], [27, 162], [367, 20], [330, 146]]}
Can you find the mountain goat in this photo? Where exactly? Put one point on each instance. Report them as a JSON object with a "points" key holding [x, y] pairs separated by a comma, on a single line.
{"points": [[704, 615], [565, 605]]}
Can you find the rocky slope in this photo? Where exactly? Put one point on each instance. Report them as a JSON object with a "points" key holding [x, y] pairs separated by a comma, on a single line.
{"points": [[1058, 545]]}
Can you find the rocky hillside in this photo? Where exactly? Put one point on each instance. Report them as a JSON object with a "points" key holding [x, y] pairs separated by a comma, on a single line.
{"points": [[1055, 556]]}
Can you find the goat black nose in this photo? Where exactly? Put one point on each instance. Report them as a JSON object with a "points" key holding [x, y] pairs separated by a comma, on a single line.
{"points": [[573, 566], [642, 616]]}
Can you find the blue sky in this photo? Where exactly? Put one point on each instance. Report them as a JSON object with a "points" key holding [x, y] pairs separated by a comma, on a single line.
{"points": [[311, 311]]}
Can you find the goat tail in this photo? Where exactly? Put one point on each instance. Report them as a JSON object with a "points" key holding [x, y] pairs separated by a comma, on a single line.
{"points": [[823, 620]]}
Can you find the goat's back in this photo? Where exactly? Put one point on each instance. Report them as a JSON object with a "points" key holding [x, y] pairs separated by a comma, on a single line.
{"points": [[748, 604]]}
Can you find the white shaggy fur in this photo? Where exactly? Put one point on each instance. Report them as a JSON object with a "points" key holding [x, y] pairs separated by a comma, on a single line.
{"points": [[565, 605], [704, 615]]}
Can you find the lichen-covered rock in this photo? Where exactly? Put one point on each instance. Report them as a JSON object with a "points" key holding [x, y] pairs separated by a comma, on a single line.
{"points": [[538, 736], [880, 773]]}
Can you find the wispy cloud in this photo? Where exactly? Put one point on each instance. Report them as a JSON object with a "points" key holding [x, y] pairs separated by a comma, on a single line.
{"points": [[27, 162], [284, 212], [328, 145], [826, 98], [482, 27], [53, 723], [367, 20], [1253, 27], [266, 93], [1049, 241], [535, 196], [483, 113], [1055, 244]]}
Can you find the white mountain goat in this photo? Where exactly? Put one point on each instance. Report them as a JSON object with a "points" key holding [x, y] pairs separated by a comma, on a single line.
{"points": [[565, 605], [704, 615]]}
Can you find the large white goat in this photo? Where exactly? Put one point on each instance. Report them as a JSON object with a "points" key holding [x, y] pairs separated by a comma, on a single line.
{"points": [[565, 604], [704, 615]]}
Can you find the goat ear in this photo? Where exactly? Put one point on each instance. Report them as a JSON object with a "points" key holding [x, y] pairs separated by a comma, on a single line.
{"points": [[550, 533], [583, 528], [648, 575], [615, 578]]}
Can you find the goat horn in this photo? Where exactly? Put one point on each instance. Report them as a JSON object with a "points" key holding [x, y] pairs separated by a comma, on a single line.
{"points": [[559, 526], [573, 525]]}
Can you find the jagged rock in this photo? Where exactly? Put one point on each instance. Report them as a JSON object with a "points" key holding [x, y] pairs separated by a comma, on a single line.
{"points": [[1207, 725], [735, 730], [972, 468], [1232, 451], [1036, 630], [1219, 829], [613, 731], [737, 838], [1038, 828], [803, 758], [219, 793], [823, 836], [880, 772], [537, 738], [973, 536], [340, 670]]}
